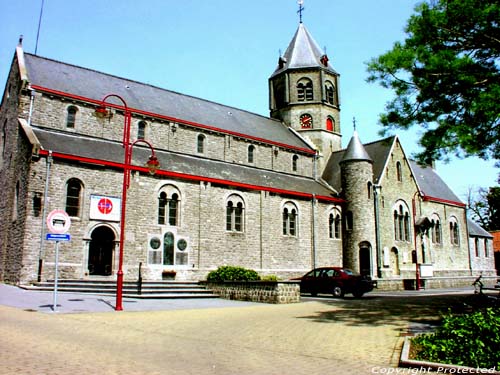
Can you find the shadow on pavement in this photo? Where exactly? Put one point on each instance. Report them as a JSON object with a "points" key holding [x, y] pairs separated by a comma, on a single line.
{"points": [[386, 310]]}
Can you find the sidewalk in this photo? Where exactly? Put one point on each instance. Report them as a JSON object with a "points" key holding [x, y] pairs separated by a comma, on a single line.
{"points": [[41, 301]]}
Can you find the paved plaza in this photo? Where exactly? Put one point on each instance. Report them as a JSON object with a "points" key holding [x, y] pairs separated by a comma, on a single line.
{"points": [[316, 336]]}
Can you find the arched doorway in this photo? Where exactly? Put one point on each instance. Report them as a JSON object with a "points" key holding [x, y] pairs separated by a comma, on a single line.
{"points": [[101, 251], [395, 262], [365, 263]]}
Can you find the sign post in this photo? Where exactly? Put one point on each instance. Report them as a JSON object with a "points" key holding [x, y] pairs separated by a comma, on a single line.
{"points": [[58, 223]]}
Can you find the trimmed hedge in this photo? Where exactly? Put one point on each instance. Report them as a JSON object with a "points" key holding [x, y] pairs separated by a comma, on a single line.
{"points": [[232, 273]]}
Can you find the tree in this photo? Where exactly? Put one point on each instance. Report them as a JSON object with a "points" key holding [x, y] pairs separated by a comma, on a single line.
{"points": [[446, 78], [484, 205]]}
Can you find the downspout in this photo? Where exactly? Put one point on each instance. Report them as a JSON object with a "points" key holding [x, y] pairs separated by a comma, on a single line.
{"points": [[45, 199], [377, 229], [32, 101], [313, 222]]}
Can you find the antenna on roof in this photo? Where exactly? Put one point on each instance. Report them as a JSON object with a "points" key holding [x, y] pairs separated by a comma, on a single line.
{"points": [[39, 25], [301, 9]]}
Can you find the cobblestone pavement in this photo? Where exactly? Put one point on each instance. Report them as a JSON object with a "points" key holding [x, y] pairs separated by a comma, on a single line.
{"points": [[317, 336]]}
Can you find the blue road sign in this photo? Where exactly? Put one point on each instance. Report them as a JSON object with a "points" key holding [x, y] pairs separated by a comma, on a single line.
{"points": [[57, 237]]}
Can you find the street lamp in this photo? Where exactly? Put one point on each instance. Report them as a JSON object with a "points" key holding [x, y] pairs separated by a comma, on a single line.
{"points": [[152, 164]]}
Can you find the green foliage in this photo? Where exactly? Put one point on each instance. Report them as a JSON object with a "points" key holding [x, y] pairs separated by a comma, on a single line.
{"points": [[270, 278], [466, 340], [232, 273], [445, 77]]}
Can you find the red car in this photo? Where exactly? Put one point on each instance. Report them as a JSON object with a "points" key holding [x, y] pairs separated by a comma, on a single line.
{"points": [[335, 280]]}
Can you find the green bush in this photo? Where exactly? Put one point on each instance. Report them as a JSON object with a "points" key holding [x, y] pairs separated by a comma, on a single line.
{"points": [[232, 273], [466, 340], [270, 278]]}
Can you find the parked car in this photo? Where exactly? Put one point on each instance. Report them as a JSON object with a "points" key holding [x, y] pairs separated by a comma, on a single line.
{"points": [[337, 281]]}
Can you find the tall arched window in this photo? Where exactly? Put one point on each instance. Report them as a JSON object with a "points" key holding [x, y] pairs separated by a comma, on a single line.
{"points": [[435, 229], [399, 172], [401, 222], [369, 189], [73, 197], [334, 224], [71, 116], [290, 219], [305, 90], [235, 209], [141, 130], [454, 231], [251, 152], [168, 206], [200, 147]]}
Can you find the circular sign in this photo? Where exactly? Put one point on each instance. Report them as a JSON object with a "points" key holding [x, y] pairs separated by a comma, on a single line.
{"points": [[58, 222], [105, 206]]}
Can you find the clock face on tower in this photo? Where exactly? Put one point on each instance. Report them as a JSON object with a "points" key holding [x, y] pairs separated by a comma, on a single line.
{"points": [[306, 121]]}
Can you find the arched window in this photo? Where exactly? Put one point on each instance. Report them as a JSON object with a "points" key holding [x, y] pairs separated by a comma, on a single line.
{"points": [[71, 116], [141, 130], [290, 219], [399, 172], [401, 222], [235, 209], [251, 153], [330, 92], [435, 229], [200, 148], [295, 162], [330, 124], [334, 224], [168, 206], [454, 231], [73, 197], [304, 90], [369, 189], [168, 248]]}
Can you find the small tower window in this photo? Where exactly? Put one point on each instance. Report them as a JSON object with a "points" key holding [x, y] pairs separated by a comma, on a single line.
{"points": [[330, 92], [295, 162], [251, 152], [399, 172], [71, 116], [201, 144], [330, 124], [141, 130]]}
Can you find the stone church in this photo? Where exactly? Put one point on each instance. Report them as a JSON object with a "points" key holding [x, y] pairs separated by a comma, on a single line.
{"points": [[276, 194]]}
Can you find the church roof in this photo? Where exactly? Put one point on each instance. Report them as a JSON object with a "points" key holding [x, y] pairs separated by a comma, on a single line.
{"points": [[476, 230], [428, 181], [303, 52], [86, 84], [86, 149]]}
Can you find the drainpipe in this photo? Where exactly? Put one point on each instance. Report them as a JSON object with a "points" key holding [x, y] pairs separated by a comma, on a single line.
{"points": [[313, 222], [32, 101], [45, 199], [377, 229]]}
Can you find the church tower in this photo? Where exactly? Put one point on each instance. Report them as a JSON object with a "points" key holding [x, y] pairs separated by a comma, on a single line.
{"points": [[303, 93], [359, 242]]}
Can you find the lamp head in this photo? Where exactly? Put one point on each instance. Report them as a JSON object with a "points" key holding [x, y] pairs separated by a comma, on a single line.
{"points": [[153, 165], [101, 111]]}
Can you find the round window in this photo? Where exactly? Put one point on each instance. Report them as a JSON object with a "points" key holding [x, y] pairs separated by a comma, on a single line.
{"points": [[182, 244], [155, 243]]}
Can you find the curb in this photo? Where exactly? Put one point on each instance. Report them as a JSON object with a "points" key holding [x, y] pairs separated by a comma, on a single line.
{"points": [[440, 368]]}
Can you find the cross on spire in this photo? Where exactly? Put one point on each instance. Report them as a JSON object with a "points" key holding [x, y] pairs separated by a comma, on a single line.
{"points": [[354, 123], [301, 9]]}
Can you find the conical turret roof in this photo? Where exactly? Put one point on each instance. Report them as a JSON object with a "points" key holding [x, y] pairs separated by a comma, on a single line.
{"points": [[356, 151], [303, 52]]}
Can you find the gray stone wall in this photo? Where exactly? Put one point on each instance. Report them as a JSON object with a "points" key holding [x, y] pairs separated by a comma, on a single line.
{"points": [[258, 291]]}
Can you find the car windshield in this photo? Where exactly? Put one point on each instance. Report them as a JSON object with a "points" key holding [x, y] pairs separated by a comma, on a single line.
{"points": [[349, 272]]}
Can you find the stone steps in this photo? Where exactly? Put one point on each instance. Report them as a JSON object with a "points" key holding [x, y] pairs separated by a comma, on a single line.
{"points": [[131, 289]]}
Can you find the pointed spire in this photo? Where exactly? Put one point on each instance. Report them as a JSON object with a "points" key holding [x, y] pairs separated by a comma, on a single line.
{"points": [[355, 150]]}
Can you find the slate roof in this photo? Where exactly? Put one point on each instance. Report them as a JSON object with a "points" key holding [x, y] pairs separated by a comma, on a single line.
{"points": [[476, 230], [355, 150], [90, 84], [428, 181], [302, 52], [191, 166]]}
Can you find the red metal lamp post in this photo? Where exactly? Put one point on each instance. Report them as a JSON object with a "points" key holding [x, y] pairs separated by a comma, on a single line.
{"points": [[152, 164]]}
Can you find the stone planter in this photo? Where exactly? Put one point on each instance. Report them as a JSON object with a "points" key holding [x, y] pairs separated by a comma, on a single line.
{"points": [[258, 291]]}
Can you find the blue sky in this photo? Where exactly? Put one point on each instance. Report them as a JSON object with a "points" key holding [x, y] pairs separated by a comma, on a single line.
{"points": [[225, 51]]}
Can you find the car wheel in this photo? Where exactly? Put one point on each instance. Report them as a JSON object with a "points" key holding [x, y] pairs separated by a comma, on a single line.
{"points": [[357, 294], [338, 291]]}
